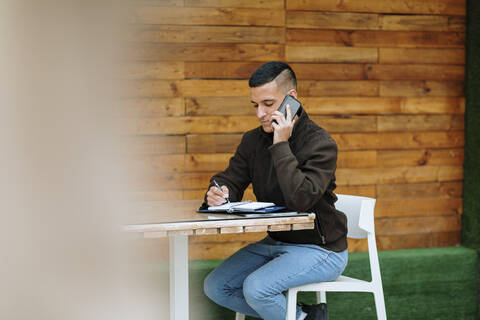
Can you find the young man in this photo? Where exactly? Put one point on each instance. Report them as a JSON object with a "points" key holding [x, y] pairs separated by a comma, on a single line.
{"points": [[290, 162]]}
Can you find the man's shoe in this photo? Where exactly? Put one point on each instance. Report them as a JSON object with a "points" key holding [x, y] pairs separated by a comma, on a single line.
{"points": [[315, 311]]}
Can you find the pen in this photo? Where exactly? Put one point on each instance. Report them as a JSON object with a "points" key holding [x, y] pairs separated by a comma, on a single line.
{"points": [[219, 188]]}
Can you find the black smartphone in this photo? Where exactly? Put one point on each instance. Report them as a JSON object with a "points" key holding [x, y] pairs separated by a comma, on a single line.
{"points": [[295, 106]]}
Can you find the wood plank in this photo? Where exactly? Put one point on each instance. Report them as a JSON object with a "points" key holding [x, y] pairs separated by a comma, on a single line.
{"points": [[435, 122], [346, 123], [266, 4], [423, 240], [357, 159], [377, 38], [345, 141], [382, 105], [198, 162], [216, 88], [421, 56], [303, 226], [417, 207], [203, 106], [421, 88], [256, 229], [421, 22], [446, 7], [421, 157], [153, 107], [154, 70], [155, 145], [338, 88], [182, 88], [207, 52], [359, 176], [325, 71], [211, 251], [228, 238], [417, 225], [157, 164], [414, 72], [200, 232], [220, 70], [281, 227], [152, 89], [361, 190], [442, 190], [324, 54], [218, 143], [207, 16], [205, 34], [231, 230], [190, 125], [331, 20], [399, 140]]}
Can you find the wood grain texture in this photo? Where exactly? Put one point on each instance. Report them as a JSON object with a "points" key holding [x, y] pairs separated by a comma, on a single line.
{"points": [[331, 20], [421, 56], [207, 52], [207, 16], [450, 7], [325, 54], [382, 105], [421, 88], [138, 145], [205, 34], [153, 107], [368, 38], [385, 78], [266, 4]]}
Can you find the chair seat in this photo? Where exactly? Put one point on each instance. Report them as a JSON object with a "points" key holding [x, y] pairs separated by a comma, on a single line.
{"points": [[342, 283]]}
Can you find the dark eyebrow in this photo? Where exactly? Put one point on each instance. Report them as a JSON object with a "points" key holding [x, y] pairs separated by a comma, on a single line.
{"points": [[263, 100]]}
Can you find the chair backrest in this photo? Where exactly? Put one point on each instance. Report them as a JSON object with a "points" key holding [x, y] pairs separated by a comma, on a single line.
{"points": [[360, 214]]}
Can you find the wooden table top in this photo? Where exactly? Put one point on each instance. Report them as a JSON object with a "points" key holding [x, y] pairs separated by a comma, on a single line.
{"points": [[179, 217]]}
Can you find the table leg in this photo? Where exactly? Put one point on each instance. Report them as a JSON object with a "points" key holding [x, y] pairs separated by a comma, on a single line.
{"points": [[179, 277]]}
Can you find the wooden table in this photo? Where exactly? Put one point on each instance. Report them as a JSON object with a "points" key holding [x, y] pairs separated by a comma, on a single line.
{"points": [[178, 220]]}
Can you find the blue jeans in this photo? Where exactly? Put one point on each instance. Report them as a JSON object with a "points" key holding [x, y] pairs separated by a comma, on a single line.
{"points": [[252, 280]]}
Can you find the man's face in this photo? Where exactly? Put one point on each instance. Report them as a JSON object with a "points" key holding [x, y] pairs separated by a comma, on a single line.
{"points": [[266, 99]]}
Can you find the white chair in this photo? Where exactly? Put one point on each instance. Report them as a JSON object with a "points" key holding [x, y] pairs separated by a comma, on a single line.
{"points": [[360, 215]]}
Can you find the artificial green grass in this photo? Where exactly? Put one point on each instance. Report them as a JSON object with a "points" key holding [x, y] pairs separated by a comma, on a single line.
{"points": [[471, 183], [434, 283]]}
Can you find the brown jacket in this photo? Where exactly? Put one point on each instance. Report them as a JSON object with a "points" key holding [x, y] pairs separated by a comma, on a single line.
{"points": [[299, 174]]}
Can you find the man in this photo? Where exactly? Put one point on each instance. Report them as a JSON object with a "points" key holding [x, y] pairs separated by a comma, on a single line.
{"points": [[290, 162]]}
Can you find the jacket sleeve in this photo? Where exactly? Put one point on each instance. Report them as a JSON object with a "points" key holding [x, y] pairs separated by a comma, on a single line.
{"points": [[237, 175], [304, 185]]}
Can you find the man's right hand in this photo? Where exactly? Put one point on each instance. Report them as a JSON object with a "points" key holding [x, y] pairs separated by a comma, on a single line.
{"points": [[215, 197]]}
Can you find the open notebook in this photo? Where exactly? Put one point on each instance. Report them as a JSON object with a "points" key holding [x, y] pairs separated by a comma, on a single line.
{"points": [[244, 207]]}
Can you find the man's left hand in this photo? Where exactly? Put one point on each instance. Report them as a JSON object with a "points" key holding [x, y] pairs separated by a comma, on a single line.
{"points": [[282, 130]]}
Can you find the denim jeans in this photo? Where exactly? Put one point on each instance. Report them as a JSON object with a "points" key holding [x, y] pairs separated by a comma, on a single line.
{"points": [[252, 280]]}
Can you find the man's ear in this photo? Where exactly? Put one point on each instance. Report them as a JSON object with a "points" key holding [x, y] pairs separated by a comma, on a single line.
{"points": [[293, 92]]}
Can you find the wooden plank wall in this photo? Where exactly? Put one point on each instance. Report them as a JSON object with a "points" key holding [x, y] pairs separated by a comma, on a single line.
{"points": [[384, 77]]}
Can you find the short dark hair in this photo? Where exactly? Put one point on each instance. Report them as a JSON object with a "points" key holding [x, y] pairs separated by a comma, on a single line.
{"points": [[274, 70]]}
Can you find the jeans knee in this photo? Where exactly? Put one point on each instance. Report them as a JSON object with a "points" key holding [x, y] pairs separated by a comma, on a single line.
{"points": [[254, 290], [211, 287]]}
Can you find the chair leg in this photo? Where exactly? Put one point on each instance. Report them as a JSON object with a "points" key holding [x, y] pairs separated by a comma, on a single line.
{"points": [[291, 305], [321, 297], [380, 305], [239, 316]]}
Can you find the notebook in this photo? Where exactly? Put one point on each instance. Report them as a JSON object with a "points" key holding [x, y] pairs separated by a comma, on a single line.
{"points": [[244, 207]]}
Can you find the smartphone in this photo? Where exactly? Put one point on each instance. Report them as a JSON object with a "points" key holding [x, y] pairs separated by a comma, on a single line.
{"points": [[295, 106]]}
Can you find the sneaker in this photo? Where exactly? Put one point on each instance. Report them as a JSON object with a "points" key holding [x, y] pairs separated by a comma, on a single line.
{"points": [[315, 311]]}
